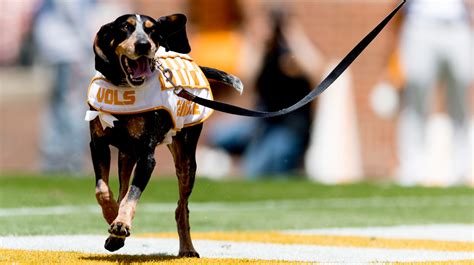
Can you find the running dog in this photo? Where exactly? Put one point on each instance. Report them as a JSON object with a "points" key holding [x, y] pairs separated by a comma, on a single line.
{"points": [[134, 108]]}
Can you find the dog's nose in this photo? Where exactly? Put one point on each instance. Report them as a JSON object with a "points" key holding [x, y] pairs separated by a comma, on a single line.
{"points": [[142, 47]]}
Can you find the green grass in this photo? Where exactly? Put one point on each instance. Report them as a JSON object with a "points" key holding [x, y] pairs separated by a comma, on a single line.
{"points": [[233, 205]]}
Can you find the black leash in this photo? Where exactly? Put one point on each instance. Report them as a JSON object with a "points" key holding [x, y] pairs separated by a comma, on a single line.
{"points": [[336, 72]]}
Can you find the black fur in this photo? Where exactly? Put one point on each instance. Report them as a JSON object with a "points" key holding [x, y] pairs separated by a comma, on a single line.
{"points": [[173, 33], [136, 136]]}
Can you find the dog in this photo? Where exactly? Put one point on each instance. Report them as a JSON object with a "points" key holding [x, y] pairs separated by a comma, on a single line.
{"points": [[126, 63]]}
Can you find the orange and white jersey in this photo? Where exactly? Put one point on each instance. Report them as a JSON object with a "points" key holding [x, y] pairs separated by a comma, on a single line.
{"points": [[156, 93]]}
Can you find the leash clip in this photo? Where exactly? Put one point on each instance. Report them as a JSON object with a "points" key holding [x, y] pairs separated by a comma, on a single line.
{"points": [[168, 74]]}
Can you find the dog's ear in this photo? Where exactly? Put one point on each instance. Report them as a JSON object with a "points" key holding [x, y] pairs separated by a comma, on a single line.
{"points": [[105, 59], [172, 31], [103, 42]]}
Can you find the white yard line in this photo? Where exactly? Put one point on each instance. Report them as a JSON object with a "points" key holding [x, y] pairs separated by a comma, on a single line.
{"points": [[228, 249], [343, 203], [53, 210]]}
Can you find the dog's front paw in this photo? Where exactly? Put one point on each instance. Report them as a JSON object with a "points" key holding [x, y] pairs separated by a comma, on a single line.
{"points": [[114, 243], [188, 254], [118, 232], [119, 229]]}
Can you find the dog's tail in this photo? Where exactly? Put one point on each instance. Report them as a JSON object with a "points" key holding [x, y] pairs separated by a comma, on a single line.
{"points": [[223, 77]]}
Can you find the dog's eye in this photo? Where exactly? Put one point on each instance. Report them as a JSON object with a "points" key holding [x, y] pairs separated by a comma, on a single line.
{"points": [[127, 27]]}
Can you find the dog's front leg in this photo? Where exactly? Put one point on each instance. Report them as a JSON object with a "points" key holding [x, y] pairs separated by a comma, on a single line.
{"points": [[100, 153], [126, 163], [183, 149], [121, 226]]}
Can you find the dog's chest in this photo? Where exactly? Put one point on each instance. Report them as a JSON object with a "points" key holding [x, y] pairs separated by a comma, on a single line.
{"points": [[135, 127], [151, 128]]}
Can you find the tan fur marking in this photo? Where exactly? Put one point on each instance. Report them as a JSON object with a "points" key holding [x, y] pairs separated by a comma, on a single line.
{"points": [[96, 128], [148, 24], [136, 127], [105, 198], [132, 21], [127, 207]]}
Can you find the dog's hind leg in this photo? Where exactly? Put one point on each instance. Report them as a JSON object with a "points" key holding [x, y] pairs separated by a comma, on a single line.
{"points": [[183, 149], [101, 160]]}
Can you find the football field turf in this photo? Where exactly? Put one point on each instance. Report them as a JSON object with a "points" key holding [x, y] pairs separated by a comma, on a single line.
{"points": [[243, 213]]}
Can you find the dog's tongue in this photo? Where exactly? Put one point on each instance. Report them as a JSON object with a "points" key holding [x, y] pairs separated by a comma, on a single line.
{"points": [[142, 68]]}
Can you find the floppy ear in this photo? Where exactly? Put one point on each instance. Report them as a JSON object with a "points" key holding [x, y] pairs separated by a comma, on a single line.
{"points": [[105, 58], [102, 42], [172, 31]]}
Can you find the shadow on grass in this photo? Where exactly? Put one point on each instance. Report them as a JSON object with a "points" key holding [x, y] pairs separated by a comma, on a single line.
{"points": [[126, 259]]}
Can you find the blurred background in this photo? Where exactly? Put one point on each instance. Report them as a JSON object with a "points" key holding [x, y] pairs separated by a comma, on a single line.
{"points": [[390, 117]]}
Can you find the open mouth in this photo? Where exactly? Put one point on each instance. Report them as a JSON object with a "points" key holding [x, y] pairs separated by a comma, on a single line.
{"points": [[137, 70]]}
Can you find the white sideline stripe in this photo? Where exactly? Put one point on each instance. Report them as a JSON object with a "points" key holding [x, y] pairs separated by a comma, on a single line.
{"points": [[228, 249], [54, 210], [444, 232], [343, 203]]}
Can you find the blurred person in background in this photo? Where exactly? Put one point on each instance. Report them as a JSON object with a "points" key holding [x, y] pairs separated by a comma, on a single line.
{"points": [[63, 33], [217, 37], [15, 20], [435, 45], [275, 146]]}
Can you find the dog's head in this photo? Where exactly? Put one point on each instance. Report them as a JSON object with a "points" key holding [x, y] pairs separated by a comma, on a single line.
{"points": [[124, 49]]}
